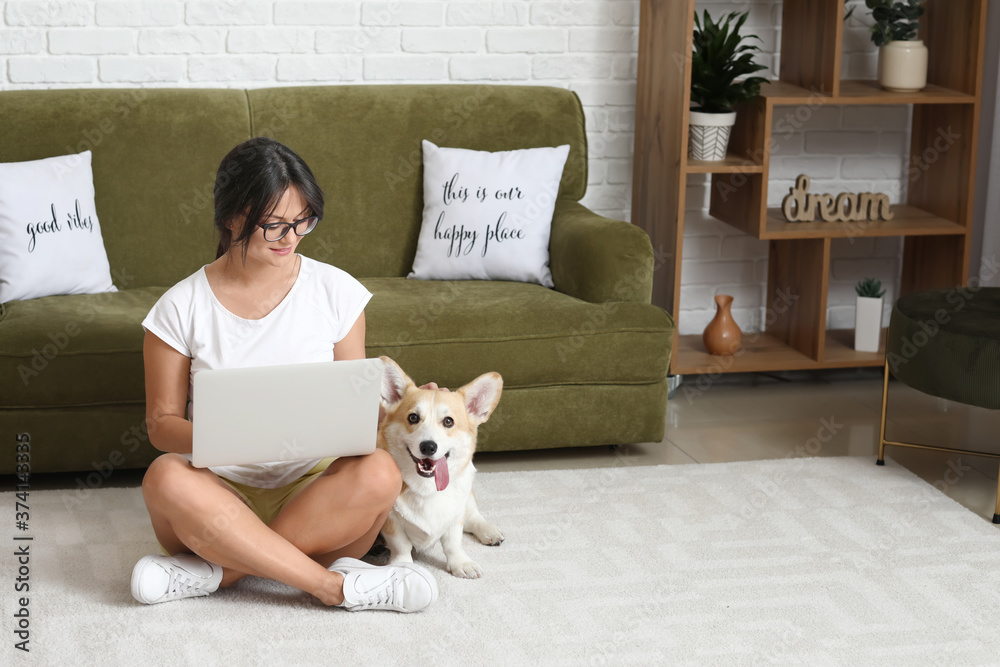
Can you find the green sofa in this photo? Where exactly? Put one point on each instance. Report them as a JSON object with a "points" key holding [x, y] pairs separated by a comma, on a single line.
{"points": [[583, 364]]}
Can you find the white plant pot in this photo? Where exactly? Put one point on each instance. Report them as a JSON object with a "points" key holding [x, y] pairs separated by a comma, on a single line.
{"points": [[868, 324], [902, 66], [708, 135]]}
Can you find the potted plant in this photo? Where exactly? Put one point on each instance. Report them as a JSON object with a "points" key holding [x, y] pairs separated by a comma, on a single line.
{"points": [[720, 56], [902, 58], [868, 315]]}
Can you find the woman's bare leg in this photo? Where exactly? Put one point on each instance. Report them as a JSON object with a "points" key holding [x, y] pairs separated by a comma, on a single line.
{"points": [[341, 512], [191, 509]]}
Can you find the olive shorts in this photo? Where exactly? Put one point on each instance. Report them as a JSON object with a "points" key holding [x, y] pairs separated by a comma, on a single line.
{"points": [[268, 503]]}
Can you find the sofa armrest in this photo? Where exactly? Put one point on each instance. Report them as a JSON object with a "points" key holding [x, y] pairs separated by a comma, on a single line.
{"points": [[598, 259]]}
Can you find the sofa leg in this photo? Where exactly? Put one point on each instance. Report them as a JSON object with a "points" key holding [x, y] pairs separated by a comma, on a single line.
{"points": [[673, 384]]}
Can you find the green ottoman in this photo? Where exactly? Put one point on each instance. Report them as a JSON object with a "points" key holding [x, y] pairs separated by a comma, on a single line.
{"points": [[946, 343]]}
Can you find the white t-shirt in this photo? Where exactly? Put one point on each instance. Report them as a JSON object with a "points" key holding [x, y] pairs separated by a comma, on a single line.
{"points": [[319, 310]]}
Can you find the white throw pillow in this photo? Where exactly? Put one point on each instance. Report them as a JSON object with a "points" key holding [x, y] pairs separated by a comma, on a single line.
{"points": [[50, 239], [487, 216]]}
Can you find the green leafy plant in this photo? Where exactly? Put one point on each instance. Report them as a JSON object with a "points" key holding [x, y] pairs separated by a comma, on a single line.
{"points": [[848, 12], [720, 56], [895, 21], [870, 288]]}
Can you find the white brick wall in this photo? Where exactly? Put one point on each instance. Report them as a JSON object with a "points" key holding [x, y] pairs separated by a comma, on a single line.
{"points": [[443, 40], [588, 46], [179, 41], [91, 42], [367, 40], [503, 68], [32, 13], [412, 13], [139, 13], [315, 13], [526, 40], [485, 13]]}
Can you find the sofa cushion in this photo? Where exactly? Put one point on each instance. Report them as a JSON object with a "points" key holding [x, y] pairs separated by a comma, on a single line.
{"points": [[488, 215], [84, 349], [50, 236], [451, 331], [445, 331]]}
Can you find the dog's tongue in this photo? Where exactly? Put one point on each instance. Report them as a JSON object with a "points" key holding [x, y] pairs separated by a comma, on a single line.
{"points": [[441, 473]]}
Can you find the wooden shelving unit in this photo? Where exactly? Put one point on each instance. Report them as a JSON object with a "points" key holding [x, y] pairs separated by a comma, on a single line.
{"points": [[936, 219]]}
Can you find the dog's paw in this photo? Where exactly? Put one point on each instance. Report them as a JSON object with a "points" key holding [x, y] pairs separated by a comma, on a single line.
{"points": [[489, 535], [465, 569]]}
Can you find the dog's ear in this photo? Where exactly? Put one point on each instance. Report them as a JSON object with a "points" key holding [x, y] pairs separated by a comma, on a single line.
{"points": [[394, 383], [481, 396]]}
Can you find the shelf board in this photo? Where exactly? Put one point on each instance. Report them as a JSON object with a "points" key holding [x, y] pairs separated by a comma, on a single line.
{"points": [[733, 164], [780, 93], [869, 92], [840, 353], [908, 221], [763, 352], [760, 352]]}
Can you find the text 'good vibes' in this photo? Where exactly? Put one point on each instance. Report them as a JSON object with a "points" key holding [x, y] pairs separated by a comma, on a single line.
{"points": [[74, 220]]}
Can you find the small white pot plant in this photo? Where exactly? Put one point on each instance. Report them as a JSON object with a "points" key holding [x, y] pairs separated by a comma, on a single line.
{"points": [[902, 58], [868, 315], [720, 56]]}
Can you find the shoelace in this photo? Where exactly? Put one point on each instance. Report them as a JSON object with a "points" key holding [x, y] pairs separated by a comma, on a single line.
{"points": [[381, 595], [182, 586]]}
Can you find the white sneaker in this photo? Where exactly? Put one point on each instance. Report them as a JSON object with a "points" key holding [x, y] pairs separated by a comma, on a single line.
{"points": [[164, 578], [402, 587]]}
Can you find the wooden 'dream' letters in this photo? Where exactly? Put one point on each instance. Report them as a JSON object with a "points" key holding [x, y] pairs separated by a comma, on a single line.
{"points": [[802, 206]]}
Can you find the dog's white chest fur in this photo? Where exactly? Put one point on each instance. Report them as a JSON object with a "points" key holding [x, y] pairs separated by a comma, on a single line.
{"points": [[425, 518]]}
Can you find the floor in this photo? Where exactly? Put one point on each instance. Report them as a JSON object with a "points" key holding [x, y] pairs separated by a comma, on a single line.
{"points": [[744, 417]]}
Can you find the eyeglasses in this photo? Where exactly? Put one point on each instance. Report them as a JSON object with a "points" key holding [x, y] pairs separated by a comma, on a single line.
{"points": [[275, 231]]}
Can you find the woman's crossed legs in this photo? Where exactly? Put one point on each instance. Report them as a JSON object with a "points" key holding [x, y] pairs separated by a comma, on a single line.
{"points": [[339, 514]]}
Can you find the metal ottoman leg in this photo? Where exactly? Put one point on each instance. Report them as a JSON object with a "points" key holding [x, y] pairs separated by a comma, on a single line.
{"points": [[996, 510], [881, 431]]}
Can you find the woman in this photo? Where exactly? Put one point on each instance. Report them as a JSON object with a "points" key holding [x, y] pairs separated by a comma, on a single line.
{"points": [[304, 523]]}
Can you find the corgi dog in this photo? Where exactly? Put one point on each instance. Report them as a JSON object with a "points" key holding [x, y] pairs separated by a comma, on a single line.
{"points": [[431, 434]]}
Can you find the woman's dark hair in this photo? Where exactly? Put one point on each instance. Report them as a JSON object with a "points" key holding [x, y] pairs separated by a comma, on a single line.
{"points": [[250, 181]]}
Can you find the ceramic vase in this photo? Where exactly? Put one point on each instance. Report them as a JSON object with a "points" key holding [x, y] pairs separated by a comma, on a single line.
{"points": [[708, 135], [722, 335], [902, 66], [868, 324]]}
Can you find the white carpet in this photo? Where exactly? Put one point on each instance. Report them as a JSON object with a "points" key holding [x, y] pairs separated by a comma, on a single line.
{"points": [[813, 561]]}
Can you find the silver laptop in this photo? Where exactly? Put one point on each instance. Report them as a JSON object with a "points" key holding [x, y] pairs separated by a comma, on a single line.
{"points": [[285, 413]]}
